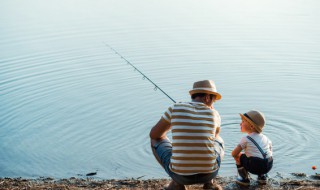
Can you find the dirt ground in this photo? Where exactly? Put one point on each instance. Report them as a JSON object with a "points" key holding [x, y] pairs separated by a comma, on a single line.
{"points": [[298, 181]]}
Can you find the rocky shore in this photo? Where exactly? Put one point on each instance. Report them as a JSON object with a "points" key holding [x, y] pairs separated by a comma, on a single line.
{"points": [[298, 181]]}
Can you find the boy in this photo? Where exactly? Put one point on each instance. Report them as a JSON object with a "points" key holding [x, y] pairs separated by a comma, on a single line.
{"points": [[257, 156]]}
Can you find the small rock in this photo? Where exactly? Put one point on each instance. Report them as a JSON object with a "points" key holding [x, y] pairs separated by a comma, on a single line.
{"points": [[91, 174], [316, 176], [299, 174]]}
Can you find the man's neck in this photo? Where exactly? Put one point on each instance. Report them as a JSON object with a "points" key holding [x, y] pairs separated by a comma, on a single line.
{"points": [[201, 100]]}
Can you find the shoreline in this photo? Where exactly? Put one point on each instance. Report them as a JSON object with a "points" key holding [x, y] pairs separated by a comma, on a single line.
{"points": [[298, 181]]}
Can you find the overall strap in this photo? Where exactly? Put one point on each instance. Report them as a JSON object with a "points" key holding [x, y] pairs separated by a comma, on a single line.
{"points": [[264, 154]]}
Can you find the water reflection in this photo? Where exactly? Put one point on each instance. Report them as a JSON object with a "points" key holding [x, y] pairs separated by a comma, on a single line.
{"points": [[70, 106]]}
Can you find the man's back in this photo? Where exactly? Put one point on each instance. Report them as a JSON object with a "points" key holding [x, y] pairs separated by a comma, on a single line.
{"points": [[193, 129]]}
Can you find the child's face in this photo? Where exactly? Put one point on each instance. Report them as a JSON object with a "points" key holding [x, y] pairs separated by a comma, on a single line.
{"points": [[245, 126]]}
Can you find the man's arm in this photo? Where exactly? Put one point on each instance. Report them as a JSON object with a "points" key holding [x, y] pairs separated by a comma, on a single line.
{"points": [[217, 132], [159, 131]]}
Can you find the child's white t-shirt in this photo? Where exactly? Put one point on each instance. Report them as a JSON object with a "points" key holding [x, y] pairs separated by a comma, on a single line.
{"points": [[251, 149]]}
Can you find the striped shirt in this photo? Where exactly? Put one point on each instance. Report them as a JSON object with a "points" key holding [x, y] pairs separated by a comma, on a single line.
{"points": [[193, 130]]}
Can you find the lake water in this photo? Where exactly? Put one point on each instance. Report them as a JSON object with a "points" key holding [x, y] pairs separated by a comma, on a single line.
{"points": [[70, 106]]}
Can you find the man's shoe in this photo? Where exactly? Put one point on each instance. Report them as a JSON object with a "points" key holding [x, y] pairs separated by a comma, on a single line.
{"points": [[242, 181], [212, 185], [174, 186], [262, 179]]}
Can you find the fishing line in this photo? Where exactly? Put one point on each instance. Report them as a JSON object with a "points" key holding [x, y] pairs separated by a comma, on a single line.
{"points": [[156, 87]]}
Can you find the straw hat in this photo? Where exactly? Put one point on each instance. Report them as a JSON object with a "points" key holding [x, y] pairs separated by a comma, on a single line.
{"points": [[255, 118], [205, 86]]}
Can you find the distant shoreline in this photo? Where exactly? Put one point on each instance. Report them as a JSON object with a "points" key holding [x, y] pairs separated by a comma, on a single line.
{"points": [[298, 181]]}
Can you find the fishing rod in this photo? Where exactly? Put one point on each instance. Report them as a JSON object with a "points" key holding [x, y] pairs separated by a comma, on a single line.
{"points": [[144, 76]]}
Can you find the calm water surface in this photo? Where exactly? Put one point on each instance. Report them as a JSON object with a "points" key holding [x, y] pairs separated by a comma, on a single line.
{"points": [[70, 106]]}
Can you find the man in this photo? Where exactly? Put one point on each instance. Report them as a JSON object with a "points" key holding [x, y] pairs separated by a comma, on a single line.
{"points": [[195, 154]]}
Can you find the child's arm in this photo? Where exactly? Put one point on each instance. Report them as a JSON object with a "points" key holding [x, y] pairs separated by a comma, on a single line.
{"points": [[236, 153], [270, 146]]}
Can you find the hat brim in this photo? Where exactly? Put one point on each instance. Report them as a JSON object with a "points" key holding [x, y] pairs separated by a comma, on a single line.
{"points": [[251, 122], [218, 96]]}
